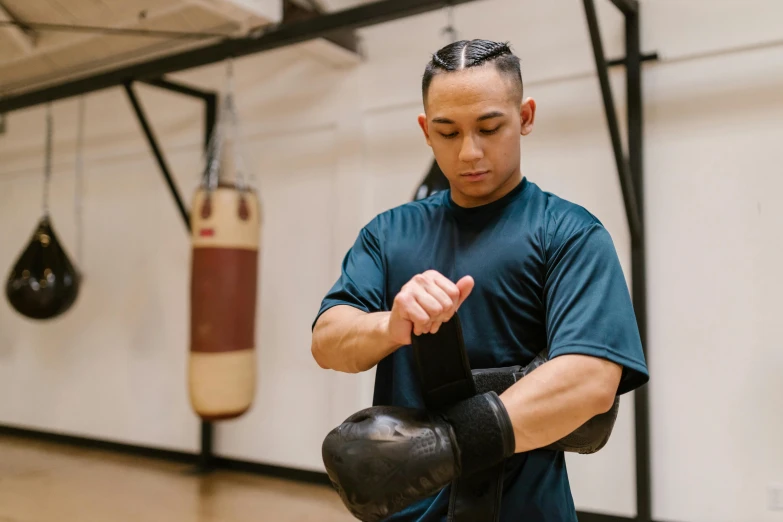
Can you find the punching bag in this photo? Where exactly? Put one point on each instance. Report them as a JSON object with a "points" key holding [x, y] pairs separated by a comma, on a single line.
{"points": [[225, 238], [435, 181], [43, 282]]}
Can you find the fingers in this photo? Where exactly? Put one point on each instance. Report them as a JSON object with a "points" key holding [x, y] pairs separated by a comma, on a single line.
{"points": [[457, 293], [412, 311], [451, 290], [465, 287], [430, 299], [435, 304], [442, 290]]}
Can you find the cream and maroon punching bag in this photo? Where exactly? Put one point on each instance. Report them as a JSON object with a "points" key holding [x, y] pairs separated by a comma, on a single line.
{"points": [[225, 234]]}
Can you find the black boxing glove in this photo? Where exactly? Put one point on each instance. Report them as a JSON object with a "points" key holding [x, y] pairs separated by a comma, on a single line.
{"points": [[385, 458]]}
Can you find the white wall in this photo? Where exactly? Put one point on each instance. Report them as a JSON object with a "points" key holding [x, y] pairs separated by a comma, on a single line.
{"points": [[333, 146]]}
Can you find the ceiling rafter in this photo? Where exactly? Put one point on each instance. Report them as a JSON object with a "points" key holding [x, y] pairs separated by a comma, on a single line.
{"points": [[24, 36]]}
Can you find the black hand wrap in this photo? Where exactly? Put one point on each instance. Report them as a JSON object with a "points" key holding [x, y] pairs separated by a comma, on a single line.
{"points": [[483, 431]]}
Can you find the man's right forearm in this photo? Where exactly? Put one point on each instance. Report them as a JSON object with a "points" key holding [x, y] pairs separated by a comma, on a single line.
{"points": [[349, 340]]}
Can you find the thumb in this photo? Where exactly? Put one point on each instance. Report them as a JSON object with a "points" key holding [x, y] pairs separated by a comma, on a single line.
{"points": [[465, 286]]}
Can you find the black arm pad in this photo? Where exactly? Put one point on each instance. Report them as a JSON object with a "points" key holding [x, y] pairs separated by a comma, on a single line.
{"points": [[588, 438]]}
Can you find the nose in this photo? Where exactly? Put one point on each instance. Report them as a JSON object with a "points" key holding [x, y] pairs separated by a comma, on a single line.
{"points": [[470, 150]]}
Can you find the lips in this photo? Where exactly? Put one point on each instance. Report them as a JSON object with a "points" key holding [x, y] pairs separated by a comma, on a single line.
{"points": [[475, 175]]}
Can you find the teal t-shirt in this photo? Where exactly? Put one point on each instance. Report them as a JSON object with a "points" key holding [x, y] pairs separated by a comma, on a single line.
{"points": [[546, 275]]}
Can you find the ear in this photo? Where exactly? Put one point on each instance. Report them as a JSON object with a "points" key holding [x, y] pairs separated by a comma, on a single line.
{"points": [[425, 128], [527, 116]]}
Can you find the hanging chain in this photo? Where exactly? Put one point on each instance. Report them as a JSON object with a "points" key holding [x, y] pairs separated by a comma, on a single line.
{"points": [[450, 30], [226, 128], [79, 182], [47, 159], [214, 151], [239, 157], [231, 112]]}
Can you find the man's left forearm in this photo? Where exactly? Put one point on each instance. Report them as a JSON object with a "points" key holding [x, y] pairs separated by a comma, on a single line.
{"points": [[558, 397]]}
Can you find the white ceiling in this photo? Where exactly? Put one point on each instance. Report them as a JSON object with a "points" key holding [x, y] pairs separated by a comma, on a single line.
{"points": [[32, 59]]}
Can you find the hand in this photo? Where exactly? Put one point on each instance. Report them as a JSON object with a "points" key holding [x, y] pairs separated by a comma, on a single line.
{"points": [[385, 458], [424, 303]]}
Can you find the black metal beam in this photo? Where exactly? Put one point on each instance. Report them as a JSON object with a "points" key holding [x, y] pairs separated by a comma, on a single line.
{"points": [[627, 6], [180, 88], [626, 181], [293, 12], [114, 31], [157, 152], [206, 458], [649, 57], [635, 109], [271, 38]]}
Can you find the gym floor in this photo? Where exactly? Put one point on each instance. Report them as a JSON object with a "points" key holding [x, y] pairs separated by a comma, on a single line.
{"points": [[49, 482]]}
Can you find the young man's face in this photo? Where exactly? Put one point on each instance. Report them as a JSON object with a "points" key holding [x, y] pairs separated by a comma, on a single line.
{"points": [[473, 120]]}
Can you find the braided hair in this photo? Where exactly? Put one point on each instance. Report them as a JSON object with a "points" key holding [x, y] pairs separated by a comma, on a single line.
{"points": [[473, 53]]}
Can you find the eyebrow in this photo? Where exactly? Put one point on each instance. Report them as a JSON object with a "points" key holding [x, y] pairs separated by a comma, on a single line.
{"points": [[487, 116]]}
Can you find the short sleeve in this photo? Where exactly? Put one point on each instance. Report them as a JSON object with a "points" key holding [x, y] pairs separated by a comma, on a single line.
{"points": [[362, 276], [588, 304]]}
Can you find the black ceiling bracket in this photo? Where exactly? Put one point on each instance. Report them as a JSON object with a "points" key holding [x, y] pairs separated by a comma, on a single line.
{"points": [[345, 38], [157, 151]]}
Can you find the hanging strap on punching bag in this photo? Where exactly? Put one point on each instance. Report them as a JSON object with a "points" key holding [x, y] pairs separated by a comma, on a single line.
{"points": [[47, 160], [79, 185]]}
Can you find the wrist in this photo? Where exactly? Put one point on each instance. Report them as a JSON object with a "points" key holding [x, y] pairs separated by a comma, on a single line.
{"points": [[387, 334], [483, 432]]}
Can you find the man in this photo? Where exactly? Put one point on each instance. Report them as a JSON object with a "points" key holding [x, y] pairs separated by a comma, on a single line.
{"points": [[528, 271]]}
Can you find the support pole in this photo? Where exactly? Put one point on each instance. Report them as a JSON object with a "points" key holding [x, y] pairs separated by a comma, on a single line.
{"points": [[206, 457], [627, 6], [626, 181], [630, 170], [638, 258]]}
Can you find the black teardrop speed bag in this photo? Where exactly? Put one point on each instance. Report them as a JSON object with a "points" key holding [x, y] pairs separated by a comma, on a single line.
{"points": [[43, 283]]}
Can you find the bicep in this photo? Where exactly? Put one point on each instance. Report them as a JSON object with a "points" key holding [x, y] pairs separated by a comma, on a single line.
{"points": [[337, 315], [589, 309]]}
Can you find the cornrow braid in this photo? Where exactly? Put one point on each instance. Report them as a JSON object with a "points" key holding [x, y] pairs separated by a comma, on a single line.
{"points": [[486, 51], [440, 63], [473, 53]]}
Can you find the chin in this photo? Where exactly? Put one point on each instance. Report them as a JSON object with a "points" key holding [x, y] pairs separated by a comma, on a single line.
{"points": [[479, 190], [476, 196]]}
